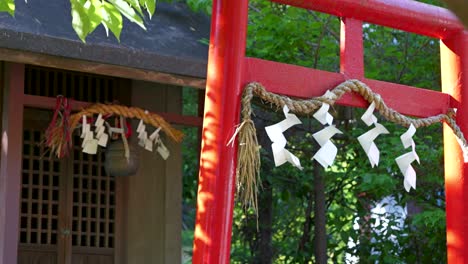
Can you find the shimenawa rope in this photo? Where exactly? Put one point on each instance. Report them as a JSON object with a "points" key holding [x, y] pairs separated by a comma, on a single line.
{"points": [[58, 139], [249, 154]]}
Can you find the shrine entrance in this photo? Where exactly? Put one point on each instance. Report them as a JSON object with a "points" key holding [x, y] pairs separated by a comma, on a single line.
{"points": [[70, 208]]}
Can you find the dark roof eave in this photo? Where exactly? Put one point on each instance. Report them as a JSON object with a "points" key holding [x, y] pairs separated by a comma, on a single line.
{"points": [[115, 55]]}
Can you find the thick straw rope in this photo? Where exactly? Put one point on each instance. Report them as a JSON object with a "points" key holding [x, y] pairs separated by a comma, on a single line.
{"points": [[58, 140], [249, 154]]}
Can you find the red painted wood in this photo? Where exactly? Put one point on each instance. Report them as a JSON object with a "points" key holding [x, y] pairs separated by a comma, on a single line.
{"points": [[296, 81], [49, 103], [10, 170], [454, 61], [351, 49], [215, 200], [290, 80], [411, 16]]}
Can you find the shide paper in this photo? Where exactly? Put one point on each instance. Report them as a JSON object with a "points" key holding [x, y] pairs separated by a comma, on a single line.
{"points": [[323, 116], [90, 144], [327, 153], [101, 135], [151, 141], [404, 161], [367, 139], [275, 133]]}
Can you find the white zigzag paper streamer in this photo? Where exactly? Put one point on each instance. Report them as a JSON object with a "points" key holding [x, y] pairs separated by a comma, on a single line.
{"points": [[275, 132], [367, 139], [101, 135], [404, 161], [143, 140], [90, 144], [327, 153]]}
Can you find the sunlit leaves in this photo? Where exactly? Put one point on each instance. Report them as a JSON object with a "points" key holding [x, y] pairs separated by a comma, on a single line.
{"points": [[128, 11], [111, 19], [7, 6], [150, 6], [80, 21], [89, 14]]}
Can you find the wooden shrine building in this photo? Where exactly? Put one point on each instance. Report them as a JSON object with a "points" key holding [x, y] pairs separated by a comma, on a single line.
{"points": [[69, 210]]}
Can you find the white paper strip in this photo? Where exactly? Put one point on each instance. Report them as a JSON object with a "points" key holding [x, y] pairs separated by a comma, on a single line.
{"points": [[327, 153], [90, 146], [142, 136], [367, 142], [87, 137], [99, 121], [102, 140], [404, 161], [323, 116], [100, 131], [141, 126], [368, 117], [101, 135], [149, 145], [85, 127], [162, 150], [275, 133]]}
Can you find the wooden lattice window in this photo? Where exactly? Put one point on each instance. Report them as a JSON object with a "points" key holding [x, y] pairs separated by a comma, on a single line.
{"points": [[93, 201], [79, 86], [39, 192]]}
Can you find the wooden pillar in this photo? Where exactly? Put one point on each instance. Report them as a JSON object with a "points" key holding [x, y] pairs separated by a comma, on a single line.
{"points": [[351, 49], [454, 64], [215, 200], [10, 171]]}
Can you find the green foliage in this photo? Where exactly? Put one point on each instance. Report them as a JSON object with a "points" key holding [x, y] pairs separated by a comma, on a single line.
{"points": [[7, 6], [200, 5], [89, 14]]}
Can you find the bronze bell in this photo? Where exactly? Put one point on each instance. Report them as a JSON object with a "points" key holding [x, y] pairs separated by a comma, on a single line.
{"points": [[116, 164]]}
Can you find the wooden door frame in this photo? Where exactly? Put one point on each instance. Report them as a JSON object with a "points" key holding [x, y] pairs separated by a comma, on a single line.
{"points": [[10, 170], [14, 102]]}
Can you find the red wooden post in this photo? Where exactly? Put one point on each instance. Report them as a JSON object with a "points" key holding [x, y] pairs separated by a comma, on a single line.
{"points": [[454, 64], [10, 171], [351, 49], [222, 107]]}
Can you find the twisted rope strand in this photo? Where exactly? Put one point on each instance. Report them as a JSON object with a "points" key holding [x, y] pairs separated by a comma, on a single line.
{"points": [[57, 138], [249, 155]]}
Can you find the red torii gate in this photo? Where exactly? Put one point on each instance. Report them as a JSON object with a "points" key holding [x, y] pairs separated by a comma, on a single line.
{"points": [[229, 70]]}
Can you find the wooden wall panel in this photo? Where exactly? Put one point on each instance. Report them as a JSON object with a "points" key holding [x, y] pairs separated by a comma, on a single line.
{"points": [[154, 203], [37, 257]]}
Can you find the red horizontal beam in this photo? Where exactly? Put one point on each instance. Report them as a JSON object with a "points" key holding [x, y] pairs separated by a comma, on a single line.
{"points": [[49, 103], [302, 82], [411, 16]]}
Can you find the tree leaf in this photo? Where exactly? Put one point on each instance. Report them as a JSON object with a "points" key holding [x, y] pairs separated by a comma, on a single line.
{"points": [[94, 12], [80, 20], [112, 19], [128, 12], [136, 5], [8, 6], [150, 6]]}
